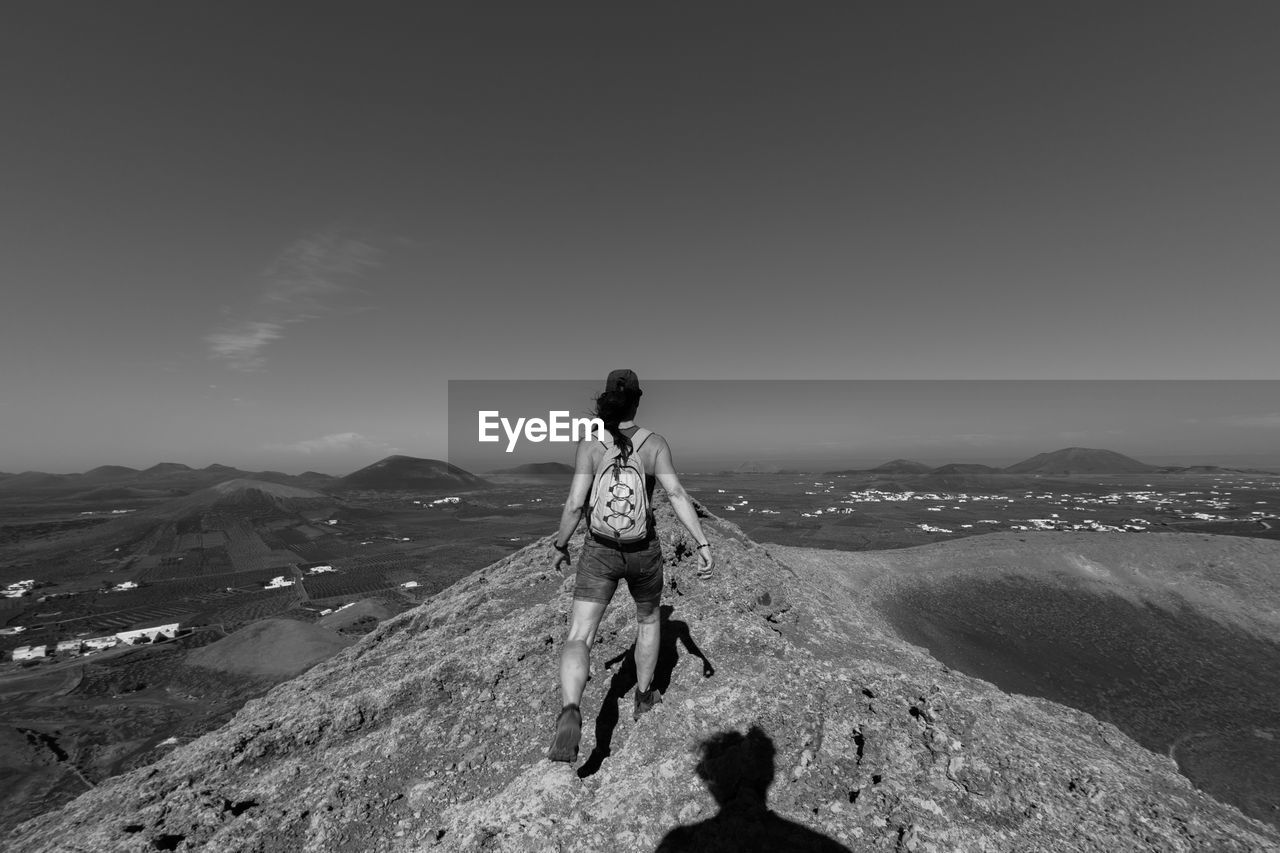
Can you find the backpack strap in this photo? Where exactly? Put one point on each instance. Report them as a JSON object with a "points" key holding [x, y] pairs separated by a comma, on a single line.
{"points": [[639, 437]]}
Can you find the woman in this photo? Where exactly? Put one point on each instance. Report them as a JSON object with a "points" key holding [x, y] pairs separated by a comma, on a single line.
{"points": [[608, 558]]}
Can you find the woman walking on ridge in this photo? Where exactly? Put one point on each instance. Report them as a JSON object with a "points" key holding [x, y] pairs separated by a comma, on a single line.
{"points": [[617, 474]]}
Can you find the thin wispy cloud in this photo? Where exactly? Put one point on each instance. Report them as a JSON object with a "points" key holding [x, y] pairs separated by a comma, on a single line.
{"points": [[300, 285], [337, 442], [1270, 420], [241, 346]]}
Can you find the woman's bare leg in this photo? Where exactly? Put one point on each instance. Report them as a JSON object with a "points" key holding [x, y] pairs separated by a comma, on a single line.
{"points": [[575, 656], [648, 641], [575, 665]]}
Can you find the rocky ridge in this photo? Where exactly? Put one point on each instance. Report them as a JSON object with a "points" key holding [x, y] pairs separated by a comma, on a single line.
{"points": [[430, 734]]}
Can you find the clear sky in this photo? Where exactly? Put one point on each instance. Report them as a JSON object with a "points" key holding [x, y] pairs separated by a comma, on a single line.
{"points": [[268, 235]]}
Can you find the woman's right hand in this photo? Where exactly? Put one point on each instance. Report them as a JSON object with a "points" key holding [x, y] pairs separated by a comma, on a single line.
{"points": [[706, 563]]}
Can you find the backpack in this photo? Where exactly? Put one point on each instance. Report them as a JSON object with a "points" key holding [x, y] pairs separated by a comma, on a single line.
{"points": [[619, 499]]}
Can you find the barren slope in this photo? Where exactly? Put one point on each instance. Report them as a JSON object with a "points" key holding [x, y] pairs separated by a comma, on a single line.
{"points": [[429, 734]]}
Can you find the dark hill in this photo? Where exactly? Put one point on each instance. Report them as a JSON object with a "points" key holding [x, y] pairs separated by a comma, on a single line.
{"points": [[258, 492], [173, 477], [256, 497], [887, 470], [408, 472], [963, 468], [167, 469], [1080, 460], [753, 466], [794, 717], [901, 466], [118, 493], [309, 480], [105, 473], [34, 480], [1202, 470]]}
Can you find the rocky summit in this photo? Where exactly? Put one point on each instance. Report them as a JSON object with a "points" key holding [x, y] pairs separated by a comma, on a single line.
{"points": [[793, 718]]}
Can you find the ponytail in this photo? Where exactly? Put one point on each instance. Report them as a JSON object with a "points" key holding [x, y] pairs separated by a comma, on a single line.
{"points": [[614, 406]]}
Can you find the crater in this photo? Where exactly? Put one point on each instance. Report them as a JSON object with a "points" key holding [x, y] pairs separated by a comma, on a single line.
{"points": [[1176, 681]]}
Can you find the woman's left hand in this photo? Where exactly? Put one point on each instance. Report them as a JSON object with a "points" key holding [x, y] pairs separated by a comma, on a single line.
{"points": [[563, 558]]}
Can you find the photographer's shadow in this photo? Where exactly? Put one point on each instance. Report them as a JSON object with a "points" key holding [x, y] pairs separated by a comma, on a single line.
{"points": [[624, 681], [738, 770]]}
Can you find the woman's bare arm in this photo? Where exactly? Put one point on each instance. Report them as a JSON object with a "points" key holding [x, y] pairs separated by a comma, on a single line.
{"points": [[578, 491], [665, 471]]}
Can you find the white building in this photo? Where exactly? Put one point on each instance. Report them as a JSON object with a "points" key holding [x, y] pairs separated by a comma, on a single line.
{"points": [[126, 585], [30, 652], [95, 644], [148, 635], [18, 589], [68, 647]]}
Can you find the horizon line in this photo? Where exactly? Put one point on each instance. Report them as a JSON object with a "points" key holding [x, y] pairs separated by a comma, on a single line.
{"points": [[803, 464]]}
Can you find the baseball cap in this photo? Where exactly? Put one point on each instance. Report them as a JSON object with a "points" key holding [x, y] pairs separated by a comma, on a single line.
{"points": [[624, 380]]}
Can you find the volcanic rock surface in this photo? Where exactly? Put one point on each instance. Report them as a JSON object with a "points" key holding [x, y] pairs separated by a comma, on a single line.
{"points": [[1173, 637], [794, 717]]}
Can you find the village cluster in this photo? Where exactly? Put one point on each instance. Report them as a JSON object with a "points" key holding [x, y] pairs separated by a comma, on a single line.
{"points": [[89, 645], [280, 581], [1184, 506]]}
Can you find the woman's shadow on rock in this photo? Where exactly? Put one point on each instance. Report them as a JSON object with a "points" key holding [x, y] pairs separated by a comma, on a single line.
{"points": [[624, 680], [738, 770]]}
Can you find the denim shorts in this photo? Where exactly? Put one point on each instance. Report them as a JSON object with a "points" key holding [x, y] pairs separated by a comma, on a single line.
{"points": [[601, 567]]}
